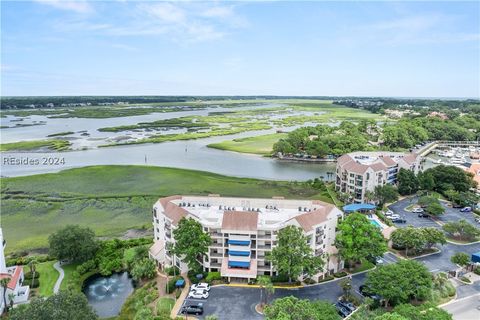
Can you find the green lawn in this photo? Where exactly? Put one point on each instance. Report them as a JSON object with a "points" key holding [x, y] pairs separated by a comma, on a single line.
{"points": [[113, 199], [258, 145], [165, 305], [48, 277], [68, 269]]}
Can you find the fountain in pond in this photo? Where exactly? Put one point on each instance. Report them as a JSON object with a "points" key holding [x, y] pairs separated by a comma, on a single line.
{"points": [[107, 294]]}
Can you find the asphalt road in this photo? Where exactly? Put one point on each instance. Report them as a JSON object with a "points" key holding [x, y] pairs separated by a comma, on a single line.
{"points": [[465, 309], [239, 302]]}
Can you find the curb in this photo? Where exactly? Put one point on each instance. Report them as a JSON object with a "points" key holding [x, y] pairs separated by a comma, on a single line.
{"points": [[458, 300]]}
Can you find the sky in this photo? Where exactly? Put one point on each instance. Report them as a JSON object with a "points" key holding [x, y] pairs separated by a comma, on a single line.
{"points": [[399, 49]]}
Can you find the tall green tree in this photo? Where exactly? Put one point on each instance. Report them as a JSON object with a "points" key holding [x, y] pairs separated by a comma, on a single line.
{"points": [[409, 238], [460, 258], [358, 239], [143, 269], [266, 288], [407, 182], [63, 305], [292, 308], [435, 209], [426, 311], [433, 236], [3, 283], [293, 256], [73, 243], [400, 281], [461, 230], [386, 193], [191, 242]]}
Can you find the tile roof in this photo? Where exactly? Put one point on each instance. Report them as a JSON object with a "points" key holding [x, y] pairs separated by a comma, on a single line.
{"points": [[172, 211], [410, 158], [157, 247], [308, 220], [240, 220], [388, 161], [13, 278]]}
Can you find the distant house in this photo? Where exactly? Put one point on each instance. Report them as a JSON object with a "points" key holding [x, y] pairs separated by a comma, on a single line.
{"points": [[436, 114]]}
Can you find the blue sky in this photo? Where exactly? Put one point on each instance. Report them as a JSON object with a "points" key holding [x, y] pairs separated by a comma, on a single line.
{"points": [[409, 49]]}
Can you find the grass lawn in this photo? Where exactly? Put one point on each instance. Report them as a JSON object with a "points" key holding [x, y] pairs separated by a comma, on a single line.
{"points": [[113, 199], [258, 145], [48, 277], [365, 265], [165, 305], [68, 269]]}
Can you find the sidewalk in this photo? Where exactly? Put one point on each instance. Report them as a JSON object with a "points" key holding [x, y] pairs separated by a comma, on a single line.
{"points": [[181, 299], [57, 267]]}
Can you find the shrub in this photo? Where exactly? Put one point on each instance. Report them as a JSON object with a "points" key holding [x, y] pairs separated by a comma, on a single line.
{"points": [[340, 274], [34, 284], [211, 276], [280, 278], [87, 266], [172, 271], [171, 284], [465, 279], [477, 270], [29, 275], [309, 281], [178, 293], [327, 278]]}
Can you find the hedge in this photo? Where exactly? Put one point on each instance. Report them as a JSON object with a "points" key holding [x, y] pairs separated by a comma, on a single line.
{"points": [[340, 274], [29, 275], [211, 276], [171, 284], [28, 282]]}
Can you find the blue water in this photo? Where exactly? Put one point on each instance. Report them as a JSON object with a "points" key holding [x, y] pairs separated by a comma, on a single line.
{"points": [[376, 224]]}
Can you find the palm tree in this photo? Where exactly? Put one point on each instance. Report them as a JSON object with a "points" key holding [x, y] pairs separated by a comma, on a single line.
{"points": [[3, 283], [11, 297], [369, 196], [266, 288], [33, 269]]}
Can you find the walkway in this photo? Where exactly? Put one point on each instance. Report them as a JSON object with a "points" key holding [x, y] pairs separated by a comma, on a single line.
{"points": [[57, 267], [181, 299]]}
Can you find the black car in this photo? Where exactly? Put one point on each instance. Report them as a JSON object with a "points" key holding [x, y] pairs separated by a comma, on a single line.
{"points": [[423, 215], [344, 312], [196, 310], [347, 305], [399, 220], [366, 292]]}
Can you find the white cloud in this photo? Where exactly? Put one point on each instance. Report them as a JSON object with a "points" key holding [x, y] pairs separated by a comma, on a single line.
{"points": [[165, 11], [79, 6]]}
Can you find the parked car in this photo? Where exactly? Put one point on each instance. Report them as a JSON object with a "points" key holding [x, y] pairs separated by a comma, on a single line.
{"points": [[347, 305], [417, 210], [457, 205], [343, 311], [477, 220], [193, 309], [394, 216], [198, 294], [423, 215], [366, 292], [388, 212], [466, 209], [399, 220], [200, 286]]}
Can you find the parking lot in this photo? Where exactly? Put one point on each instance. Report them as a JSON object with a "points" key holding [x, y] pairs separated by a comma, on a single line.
{"points": [[451, 214], [228, 302]]}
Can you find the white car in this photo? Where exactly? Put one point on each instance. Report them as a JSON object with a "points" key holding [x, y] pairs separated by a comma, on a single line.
{"points": [[417, 210], [198, 294], [393, 217], [200, 286], [389, 213]]}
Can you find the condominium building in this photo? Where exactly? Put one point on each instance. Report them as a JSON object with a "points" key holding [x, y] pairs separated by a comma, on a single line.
{"points": [[243, 231], [359, 172]]}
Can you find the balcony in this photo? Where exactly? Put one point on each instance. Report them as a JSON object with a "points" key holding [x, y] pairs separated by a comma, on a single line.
{"points": [[217, 244], [216, 255], [216, 234], [264, 247], [215, 265], [264, 236]]}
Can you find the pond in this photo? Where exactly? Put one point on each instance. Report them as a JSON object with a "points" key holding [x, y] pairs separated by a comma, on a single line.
{"points": [[107, 294]]}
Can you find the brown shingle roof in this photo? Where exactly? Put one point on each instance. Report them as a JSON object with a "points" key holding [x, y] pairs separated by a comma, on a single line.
{"points": [[410, 158], [378, 166], [172, 211], [310, 219], [388, 161], [240, 220]]}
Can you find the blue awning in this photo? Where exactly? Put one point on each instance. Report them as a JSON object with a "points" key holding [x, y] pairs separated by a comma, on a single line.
{"points": [[239, 264], [476, 257], [358, 207], [180, 283], [239, 253], [239, 242]]}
